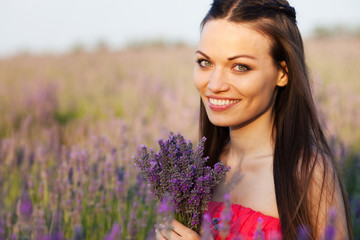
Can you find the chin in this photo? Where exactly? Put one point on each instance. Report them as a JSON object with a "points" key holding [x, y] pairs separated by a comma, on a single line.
{"points": [[220, 122], [220, 125]]}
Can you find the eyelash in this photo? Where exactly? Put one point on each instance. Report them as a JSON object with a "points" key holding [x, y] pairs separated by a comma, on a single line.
{"points": [[201, 61], [242, 66]]}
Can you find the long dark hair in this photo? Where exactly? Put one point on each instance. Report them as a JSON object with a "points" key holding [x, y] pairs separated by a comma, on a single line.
{"points": [[300, 144]]}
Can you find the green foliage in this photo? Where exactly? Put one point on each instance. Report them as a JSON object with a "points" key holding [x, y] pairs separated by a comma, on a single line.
{"points": [[67, 116], [350, 175], [350, 167]]}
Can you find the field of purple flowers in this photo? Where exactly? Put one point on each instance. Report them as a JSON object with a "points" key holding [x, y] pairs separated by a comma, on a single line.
{"points": [[70, 124]]}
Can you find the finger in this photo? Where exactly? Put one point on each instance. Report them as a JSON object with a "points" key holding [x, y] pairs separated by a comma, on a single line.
{"points": [[169, 234], [174, 236], [158, 235], [183, 231]]}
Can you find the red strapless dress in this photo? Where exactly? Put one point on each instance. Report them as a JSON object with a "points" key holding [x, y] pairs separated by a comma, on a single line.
{"points": [[244, 222]]}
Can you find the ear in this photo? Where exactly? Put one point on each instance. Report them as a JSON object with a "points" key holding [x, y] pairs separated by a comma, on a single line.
{"points": [[282, 79]]}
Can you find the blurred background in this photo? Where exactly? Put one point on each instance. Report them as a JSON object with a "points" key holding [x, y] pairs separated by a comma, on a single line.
{"points": [[57, 26], [84, 83]]}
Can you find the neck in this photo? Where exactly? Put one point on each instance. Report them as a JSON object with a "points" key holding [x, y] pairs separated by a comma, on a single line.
{"points": [[251, 140]]}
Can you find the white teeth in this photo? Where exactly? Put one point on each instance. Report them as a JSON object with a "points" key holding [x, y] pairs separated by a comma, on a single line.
{"points": [[222, 102]]}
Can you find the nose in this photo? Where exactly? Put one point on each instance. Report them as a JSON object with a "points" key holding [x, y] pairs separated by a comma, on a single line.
{"points": [[218, 82]]}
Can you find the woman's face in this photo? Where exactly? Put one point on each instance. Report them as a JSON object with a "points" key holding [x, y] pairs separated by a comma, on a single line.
{"points": [[235, 74]]}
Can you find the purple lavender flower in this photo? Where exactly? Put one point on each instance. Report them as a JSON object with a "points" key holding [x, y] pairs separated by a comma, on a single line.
{"points": [[25, 206], [115, 232], [151, 234], [330, 230], [55, 236], [20, 154], [215, 221], [2, 231], [40, 226], [259, 234], [165, 205], [31, 158], [216, 224], [165, 211], [226, 215], [227, 201], [165, 215], [303, 233], [206, 227], [56, 232], [78, 232], [119, 186], [71, 175], [357, 210], [120, 172], [131, 227], [181, 171]]}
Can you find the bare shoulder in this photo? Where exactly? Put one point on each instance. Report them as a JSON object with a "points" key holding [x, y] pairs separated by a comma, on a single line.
{"points": [[326, 196]]}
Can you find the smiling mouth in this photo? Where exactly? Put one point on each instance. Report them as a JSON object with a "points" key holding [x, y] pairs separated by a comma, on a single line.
{"points": [[223, 102]]}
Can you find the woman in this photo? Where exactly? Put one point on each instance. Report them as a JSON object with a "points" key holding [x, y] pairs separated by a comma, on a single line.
{"points": [[258, 115]]}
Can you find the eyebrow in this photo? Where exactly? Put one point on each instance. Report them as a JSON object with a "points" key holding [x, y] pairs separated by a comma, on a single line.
{"points": [[230, 58], [200, 52], [241, 56]]}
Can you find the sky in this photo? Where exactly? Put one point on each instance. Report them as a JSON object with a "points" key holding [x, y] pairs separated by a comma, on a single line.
{"points": [[39, 26]]}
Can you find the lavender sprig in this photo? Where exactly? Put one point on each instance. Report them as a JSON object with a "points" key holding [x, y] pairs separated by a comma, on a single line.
{"points": [[181, 170], [303, 233], [330, 229], [226, 216], [259, 234], [206, 227]]}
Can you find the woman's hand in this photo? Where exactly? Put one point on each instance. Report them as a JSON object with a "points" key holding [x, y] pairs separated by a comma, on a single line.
{"points": [[178, 232]]}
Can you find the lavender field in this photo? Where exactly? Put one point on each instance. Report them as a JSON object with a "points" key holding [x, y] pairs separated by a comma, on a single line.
{"points": [[70, 124]]}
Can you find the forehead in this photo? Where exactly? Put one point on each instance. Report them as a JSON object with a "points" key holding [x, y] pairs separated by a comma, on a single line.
{"points": [[222, 37]]}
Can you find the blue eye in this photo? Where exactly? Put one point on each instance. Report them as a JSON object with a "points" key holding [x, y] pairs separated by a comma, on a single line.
{"points": [[204, 63], [241, 68]]}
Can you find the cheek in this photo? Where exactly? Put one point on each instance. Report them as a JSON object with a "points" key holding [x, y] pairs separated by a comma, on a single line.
{"points": [[258, 84], [199, 80], [249, 87]]}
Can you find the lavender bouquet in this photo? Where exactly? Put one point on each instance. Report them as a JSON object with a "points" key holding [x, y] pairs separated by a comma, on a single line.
{"points": [[181, 171]]}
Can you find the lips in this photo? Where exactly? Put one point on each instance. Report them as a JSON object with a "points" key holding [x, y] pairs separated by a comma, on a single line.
{"points": [[221, 104]]}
